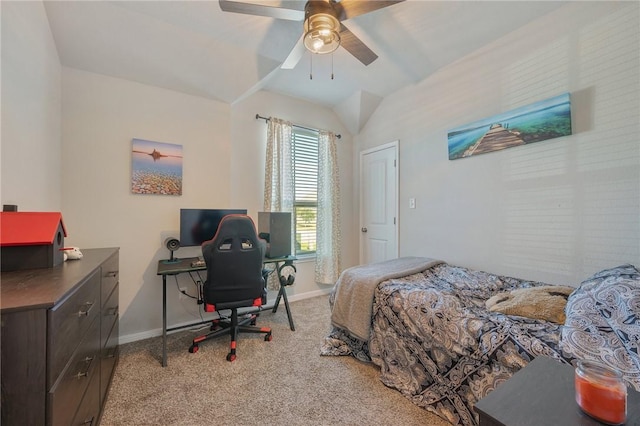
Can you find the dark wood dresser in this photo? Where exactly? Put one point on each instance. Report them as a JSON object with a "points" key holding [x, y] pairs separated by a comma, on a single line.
{"points": [[59, 340]]}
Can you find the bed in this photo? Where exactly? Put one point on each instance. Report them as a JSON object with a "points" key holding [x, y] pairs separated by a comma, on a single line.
{"points": [[435, 341]]}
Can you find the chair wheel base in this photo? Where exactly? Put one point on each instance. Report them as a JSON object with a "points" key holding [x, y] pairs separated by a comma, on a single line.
{"points": [[231, 327]]}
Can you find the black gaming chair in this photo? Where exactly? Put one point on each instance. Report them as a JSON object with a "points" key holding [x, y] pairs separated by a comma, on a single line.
{"points": [[234, 279]]}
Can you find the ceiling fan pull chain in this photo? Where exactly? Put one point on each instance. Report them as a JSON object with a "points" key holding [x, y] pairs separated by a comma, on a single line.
{"points": [[331, 65], [311, 66]]}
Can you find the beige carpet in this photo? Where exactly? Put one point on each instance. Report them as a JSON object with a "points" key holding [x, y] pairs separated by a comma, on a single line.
{"points": [[282, 382]]}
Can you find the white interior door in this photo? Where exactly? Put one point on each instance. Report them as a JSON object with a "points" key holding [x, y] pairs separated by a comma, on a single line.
{"points": [[379, 203]]}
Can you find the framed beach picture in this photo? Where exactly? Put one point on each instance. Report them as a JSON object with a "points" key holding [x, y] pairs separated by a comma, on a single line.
{"points": [[537, 122], [156, 168]]}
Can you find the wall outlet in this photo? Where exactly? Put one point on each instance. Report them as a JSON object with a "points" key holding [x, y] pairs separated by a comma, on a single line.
{"points": [[182, 291], [412, 203]]}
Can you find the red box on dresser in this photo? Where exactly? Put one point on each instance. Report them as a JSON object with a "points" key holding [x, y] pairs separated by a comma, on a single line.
{"points": [[31, 240]]}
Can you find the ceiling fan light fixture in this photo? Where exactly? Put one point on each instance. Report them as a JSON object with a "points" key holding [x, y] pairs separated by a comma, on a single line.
{"points": [[321, 33]]}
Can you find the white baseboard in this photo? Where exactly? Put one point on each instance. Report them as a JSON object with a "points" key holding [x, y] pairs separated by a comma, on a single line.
{"points": [[134, 337]]}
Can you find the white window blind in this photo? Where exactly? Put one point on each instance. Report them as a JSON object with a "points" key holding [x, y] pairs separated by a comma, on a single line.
{"points": [[305, 177]]}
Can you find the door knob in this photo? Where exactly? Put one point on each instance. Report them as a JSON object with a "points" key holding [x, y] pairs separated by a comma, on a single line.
{"points": [[364, 229]]}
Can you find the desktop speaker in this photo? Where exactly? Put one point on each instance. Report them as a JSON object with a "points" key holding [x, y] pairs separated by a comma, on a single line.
{"points": [[275, 227], [172, 244]]}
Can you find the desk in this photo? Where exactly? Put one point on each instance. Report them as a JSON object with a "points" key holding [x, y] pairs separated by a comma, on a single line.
{"points": [[183, 265], [542, 393]]}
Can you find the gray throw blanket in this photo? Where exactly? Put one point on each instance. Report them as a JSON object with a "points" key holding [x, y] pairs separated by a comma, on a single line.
{"points": [[355, 288]]}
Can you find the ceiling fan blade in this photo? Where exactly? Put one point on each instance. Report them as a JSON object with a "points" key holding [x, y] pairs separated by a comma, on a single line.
{"points": [[289, 10], [348, 9], [295, 55], [355, 46]]}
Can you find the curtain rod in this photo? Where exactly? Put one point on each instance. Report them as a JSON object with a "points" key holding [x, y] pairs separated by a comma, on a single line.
{"points": [[266, 119]]}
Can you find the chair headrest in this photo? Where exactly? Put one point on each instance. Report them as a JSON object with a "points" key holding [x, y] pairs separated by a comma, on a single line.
{"points": [[237, 228]]}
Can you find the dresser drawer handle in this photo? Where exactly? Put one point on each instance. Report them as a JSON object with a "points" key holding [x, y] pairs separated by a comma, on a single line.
{"points": [[88, 422], [112, 353], [112, 274], [82, 313], [81, 375], [86, 373], [112, 311]]}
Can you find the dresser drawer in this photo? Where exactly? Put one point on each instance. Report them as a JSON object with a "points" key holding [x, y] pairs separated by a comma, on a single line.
{"points": [[89, 410], [110, 276], [108, 360], [69, 322], [69, 389], [110, 315], [109, 336]]}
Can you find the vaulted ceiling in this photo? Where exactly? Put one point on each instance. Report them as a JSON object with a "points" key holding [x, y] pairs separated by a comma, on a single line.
{"points": [[196, 48]]}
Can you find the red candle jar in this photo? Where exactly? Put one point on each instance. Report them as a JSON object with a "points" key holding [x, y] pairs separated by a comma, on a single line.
{"points": [[601, 392]]}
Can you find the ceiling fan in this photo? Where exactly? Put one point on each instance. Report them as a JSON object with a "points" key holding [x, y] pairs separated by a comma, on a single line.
{"points": [[323, 29]]}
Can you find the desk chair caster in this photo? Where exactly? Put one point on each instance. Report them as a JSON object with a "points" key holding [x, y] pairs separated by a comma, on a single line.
{"points": [[231, 356]]}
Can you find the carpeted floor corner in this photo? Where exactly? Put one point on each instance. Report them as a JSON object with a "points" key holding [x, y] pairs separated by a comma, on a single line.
{"points": [[282, 382]]}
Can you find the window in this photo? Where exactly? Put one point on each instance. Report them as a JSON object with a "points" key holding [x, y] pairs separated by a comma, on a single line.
{"points": [[305, 181]]}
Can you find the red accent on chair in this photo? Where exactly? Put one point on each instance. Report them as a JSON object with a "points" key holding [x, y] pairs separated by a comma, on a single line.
{"points": [[209, 308]]}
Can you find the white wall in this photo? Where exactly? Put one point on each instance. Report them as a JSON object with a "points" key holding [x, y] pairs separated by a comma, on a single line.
{"points": [[223, 167], [31, 111], [101, 115], [557, 210]]}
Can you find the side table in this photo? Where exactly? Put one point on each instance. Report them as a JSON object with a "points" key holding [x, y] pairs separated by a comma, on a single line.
{"points": [[543, 393]]}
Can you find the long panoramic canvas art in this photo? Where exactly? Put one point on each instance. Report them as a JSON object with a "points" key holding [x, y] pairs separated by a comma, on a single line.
{"points": [[156, 168], [537, 122]]}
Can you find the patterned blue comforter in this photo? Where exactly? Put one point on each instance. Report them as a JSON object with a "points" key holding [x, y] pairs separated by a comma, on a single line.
{"points": [[436, 343]]}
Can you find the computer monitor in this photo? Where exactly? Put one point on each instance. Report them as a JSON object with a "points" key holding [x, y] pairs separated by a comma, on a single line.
{"points": [[200, 225]]}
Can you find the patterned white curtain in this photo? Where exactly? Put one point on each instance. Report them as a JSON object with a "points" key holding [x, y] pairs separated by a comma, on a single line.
{"points": [[279, 194], [328, 221], [278, 178]]}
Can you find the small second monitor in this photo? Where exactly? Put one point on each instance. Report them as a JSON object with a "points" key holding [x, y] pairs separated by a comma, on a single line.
{"points": [[275, 227], [200, 225]]}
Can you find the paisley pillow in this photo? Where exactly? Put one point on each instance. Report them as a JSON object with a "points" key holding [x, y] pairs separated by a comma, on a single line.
{"points": [[603, 321]]}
